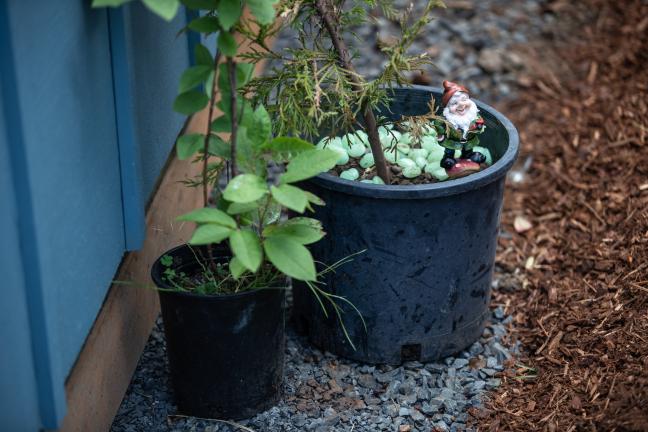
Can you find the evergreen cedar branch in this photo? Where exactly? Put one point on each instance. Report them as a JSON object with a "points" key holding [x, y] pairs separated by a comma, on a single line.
{"points": [[247, 209], [316, 88]]}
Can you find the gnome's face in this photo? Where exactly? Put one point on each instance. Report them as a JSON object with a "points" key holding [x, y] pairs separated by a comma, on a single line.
{"points": [[459, 104], [460, 111]]}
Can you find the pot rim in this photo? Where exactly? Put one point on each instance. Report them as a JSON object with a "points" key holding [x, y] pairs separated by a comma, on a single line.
{"points": [[438, 189], [211, 297]]}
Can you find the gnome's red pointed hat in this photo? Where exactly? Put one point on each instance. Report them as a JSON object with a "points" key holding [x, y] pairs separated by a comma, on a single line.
{"points": [[449, 89]]}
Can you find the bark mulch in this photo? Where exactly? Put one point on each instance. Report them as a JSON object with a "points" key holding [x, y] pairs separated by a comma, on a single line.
{"points": [[579, 255]]}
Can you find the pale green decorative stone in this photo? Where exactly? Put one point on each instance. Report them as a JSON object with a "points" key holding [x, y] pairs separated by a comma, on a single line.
{"points": [[418, 152], [436, 154], [403, 148], [412, 172], [429, 143], [438, 172], [350, 174], [357, 150], [390, 155], [405, 138], [377, 180], [344, 156], [485, 152], [406, 163], [329, 142], [420, 161], [367, 161], [429, 130], [389, 138]]}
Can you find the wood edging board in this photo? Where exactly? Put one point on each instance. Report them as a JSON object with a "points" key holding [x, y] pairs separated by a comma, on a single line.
{"points": [[104, 368]]}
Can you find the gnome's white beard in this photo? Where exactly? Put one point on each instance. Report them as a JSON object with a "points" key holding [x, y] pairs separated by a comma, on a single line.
{"points": [[462, 121]]}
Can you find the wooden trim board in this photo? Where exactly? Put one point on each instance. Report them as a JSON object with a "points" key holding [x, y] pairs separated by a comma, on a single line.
{"points": [[103, 370]]}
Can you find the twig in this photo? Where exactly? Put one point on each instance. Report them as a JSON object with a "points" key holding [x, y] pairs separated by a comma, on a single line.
{"points": [[231, 70], [208, 132], [323, 9], [231, 423]]}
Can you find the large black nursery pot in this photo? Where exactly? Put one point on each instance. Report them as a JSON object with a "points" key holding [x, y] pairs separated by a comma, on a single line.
{"points": [[423, 284], [225, 352]]}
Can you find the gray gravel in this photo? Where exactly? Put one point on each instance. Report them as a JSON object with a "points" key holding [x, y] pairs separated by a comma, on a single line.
{"points": [[324, 393], [470, 42]]}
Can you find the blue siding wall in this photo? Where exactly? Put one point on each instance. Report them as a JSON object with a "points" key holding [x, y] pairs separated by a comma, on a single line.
{"points": [[64, 83], [157, 57], [64, 128], [18, 393]]}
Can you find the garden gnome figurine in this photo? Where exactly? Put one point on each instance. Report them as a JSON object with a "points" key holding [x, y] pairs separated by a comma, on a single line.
{"points": [[460, 129]]}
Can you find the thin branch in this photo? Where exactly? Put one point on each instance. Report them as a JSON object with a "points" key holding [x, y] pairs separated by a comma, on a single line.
{"points": [[205, 180], [324, 11], [231, 69]]}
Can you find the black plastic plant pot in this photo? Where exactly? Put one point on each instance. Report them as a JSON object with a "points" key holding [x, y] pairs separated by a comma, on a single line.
{"points": [[423, 283], [225, 352]]}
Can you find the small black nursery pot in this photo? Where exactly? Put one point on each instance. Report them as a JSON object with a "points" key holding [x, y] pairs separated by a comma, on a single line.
{"points": [[225, 352], [423, 285]]}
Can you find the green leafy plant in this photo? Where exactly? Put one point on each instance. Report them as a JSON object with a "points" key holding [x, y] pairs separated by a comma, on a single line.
{"points": [[247, 211], [317, 88]]}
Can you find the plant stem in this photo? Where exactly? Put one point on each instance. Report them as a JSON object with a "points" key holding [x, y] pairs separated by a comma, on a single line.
{"points": [[231, 69], [324, 11], [208, 132]]}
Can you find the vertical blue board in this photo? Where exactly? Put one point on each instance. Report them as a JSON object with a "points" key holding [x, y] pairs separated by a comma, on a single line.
{"points": [[129, 157], [18, 389], [157, 56], [63, 76]]}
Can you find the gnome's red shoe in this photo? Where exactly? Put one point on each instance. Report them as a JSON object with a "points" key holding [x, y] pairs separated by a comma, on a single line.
{"points": [[462, 168]]}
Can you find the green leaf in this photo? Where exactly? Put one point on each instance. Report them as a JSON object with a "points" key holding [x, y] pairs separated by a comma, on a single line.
{"points": [[194, 76], [164, 8], [189, 144], [290, 196], [245, 188], [229, 12], [309, 163], [248, 156], [218, 147], [243, 73], [208, 215], [205, 24], [227, 44], [190, 102], [272, 213], [258, 126], [303, 230], [209, 83], [203, 56], [263, 10], [210, 233], [109, 3], [285, 148], [238, 208], [290, 257], [200, 4], [246, 248], [221, 124], [166, 260], [236, 268], [312, 198]]}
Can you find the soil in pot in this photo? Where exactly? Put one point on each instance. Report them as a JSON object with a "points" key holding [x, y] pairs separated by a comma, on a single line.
{"points": [[225, 351], [423, 284]]}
